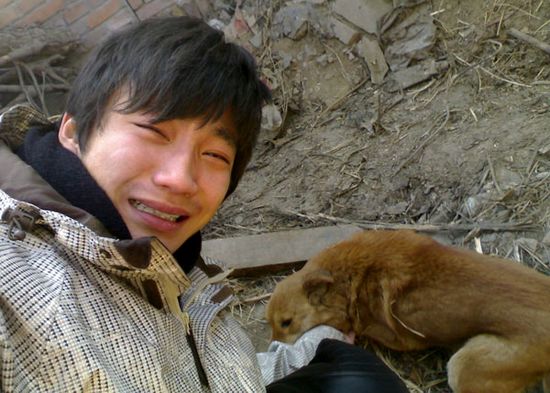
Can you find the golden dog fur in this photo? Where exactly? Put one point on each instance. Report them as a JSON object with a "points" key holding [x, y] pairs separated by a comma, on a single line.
{"points": [[407, 292]]}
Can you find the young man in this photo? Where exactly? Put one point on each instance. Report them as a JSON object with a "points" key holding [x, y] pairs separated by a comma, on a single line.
{"points": [[102, 287]]}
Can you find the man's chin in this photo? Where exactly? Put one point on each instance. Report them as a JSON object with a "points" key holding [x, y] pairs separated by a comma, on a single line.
{"points": [[172, 240], [172, 244]]}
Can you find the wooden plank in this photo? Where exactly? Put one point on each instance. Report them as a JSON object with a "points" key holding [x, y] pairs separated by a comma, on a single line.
{"points": [[276, 251]]}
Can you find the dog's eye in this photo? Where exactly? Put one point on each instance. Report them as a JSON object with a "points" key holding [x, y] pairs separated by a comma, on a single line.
{"points": [[286, 323]]}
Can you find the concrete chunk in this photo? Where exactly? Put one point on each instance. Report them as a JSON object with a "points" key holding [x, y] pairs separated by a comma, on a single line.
{"points": [[369, 49], [345, 33], [364, 14]]}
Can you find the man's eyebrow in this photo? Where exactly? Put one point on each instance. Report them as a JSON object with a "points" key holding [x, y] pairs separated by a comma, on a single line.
{"points": [[227, 135]]}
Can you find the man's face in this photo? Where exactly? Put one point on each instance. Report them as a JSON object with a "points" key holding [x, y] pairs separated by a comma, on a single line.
{"points": [[165, 179]]}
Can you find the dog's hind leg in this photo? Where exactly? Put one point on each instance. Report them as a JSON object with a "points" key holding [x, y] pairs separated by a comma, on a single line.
{"points": [[546, 383], [491, 364]]}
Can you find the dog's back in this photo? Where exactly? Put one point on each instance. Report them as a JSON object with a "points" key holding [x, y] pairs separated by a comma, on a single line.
{"points": [[445, 293]]}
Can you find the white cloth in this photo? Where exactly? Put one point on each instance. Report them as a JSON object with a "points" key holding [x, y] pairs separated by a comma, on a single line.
{"points": [[282, 359]]}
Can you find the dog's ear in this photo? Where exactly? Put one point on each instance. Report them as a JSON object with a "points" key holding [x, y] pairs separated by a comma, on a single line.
{"points": [[316, 284]]}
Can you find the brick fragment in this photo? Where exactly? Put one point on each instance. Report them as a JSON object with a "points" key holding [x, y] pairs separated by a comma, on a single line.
{"points": [[7, 16], [75, 11], [153, 8], [42, 13], [5, 3], [25, 6], [104, 12], [135, 4], [117, 21]]}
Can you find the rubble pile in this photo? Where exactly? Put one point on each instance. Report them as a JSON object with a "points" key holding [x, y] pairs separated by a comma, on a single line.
{"points": [[392, 39]]}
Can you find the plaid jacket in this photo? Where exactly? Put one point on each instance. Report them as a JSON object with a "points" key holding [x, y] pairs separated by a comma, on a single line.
{"points": [[84, 312]]}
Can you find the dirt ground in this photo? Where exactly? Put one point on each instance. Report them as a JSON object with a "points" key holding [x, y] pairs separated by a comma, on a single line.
{"points": [[468, 147]]}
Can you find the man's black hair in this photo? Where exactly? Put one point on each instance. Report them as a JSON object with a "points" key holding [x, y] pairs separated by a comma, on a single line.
{"points": [[172, 68]]}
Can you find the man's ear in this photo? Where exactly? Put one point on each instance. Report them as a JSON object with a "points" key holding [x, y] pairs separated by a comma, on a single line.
{"points": [[316, 284], [67, 134]]}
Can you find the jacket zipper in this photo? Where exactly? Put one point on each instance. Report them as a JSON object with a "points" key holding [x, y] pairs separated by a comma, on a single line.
{"points": [[184, 317], [178, 311]]}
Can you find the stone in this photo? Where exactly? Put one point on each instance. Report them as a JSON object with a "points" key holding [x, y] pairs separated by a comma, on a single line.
{"points": [[397, 209], [345, 33], [411, 39], [364, 14], [257, 40], [544, 151], [410, 76], [369, 49], [271, 118], [292, 21]]}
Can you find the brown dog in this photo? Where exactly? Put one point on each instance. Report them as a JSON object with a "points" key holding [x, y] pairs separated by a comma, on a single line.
{"points": [[407, 291]]}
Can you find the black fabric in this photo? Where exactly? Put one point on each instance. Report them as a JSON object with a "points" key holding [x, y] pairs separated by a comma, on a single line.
{"points": [[188, 254], [341, 367], [64, 171]]}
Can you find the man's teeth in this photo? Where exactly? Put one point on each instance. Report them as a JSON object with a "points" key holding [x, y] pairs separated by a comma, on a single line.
{"points": [[165, 216]]}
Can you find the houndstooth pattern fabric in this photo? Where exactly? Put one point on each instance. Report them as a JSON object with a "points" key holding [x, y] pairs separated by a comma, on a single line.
{"points": [[67, 323]]}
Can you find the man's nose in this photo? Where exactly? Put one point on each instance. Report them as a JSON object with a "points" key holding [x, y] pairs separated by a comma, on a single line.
{"points": [[178, 173]]}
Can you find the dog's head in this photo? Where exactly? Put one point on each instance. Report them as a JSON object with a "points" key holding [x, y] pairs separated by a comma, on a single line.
{"points": [[307, 299]]}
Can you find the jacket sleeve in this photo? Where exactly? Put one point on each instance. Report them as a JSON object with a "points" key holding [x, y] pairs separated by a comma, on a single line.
{"points": [[282, 359]]}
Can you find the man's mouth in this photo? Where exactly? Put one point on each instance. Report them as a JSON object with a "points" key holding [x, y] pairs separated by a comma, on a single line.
{"points": [[157, 213]]}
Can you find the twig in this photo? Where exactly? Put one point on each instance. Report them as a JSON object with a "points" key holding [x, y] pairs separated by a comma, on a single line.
{"points": [[500, 23], [542, 26], [493, 174], [430, 228], [255, 298], [478, 66], [485, 226], [31, 89], [343, 68], [37, 87], [242, 227], [529, 39], [503, 79], [474, 233], [339, 101], [521, 10], [423, 144], [23, 88], [20, 53], [46, 67], [420, 334]]}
